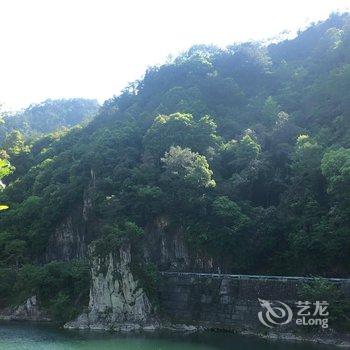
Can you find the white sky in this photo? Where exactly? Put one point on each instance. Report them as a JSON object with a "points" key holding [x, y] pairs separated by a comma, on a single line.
{"points": [[93, 48]]}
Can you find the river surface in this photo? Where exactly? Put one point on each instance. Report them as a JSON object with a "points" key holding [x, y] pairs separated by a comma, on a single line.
{"points": [[27, 336]]}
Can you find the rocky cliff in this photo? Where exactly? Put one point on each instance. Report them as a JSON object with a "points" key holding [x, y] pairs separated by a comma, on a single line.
{"points": [[117, 301], [167, 248], [72, 236], [30, 310]]}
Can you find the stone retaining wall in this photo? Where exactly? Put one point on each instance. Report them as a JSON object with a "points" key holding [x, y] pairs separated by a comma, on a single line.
{"points": [[226, 301]]}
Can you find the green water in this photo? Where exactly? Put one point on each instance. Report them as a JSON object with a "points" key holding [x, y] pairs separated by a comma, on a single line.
{"points": [[24, 336]]}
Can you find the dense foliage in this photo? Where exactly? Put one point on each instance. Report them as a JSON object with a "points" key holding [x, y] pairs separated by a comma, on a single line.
{"points": [[48, 116], [246, 149], [339, 306], [61, 287]]}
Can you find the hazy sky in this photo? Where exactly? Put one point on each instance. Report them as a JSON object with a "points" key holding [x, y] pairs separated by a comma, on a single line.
{"points": [[93, 48]]}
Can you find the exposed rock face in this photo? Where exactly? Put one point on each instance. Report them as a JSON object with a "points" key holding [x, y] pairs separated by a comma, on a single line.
{"points": [[72, 236], [67, 242], [163, 245], [28, 311], [167, 248], [116, 300]]}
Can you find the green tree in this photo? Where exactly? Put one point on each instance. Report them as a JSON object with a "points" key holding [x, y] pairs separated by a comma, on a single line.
{"points": [[5, 168], [271, 110], [336, 168], [14, 142], [182, 130], [188, 167]]}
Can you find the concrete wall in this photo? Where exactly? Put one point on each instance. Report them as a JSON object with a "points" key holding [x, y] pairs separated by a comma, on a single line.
{"points": [[225, 301]]}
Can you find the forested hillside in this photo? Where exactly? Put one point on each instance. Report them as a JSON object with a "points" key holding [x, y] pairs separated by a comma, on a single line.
{"points": [[246, 150], [48, 116]]}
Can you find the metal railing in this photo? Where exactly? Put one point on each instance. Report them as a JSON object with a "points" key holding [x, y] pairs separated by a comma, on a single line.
{"points": [[249, 277]]}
